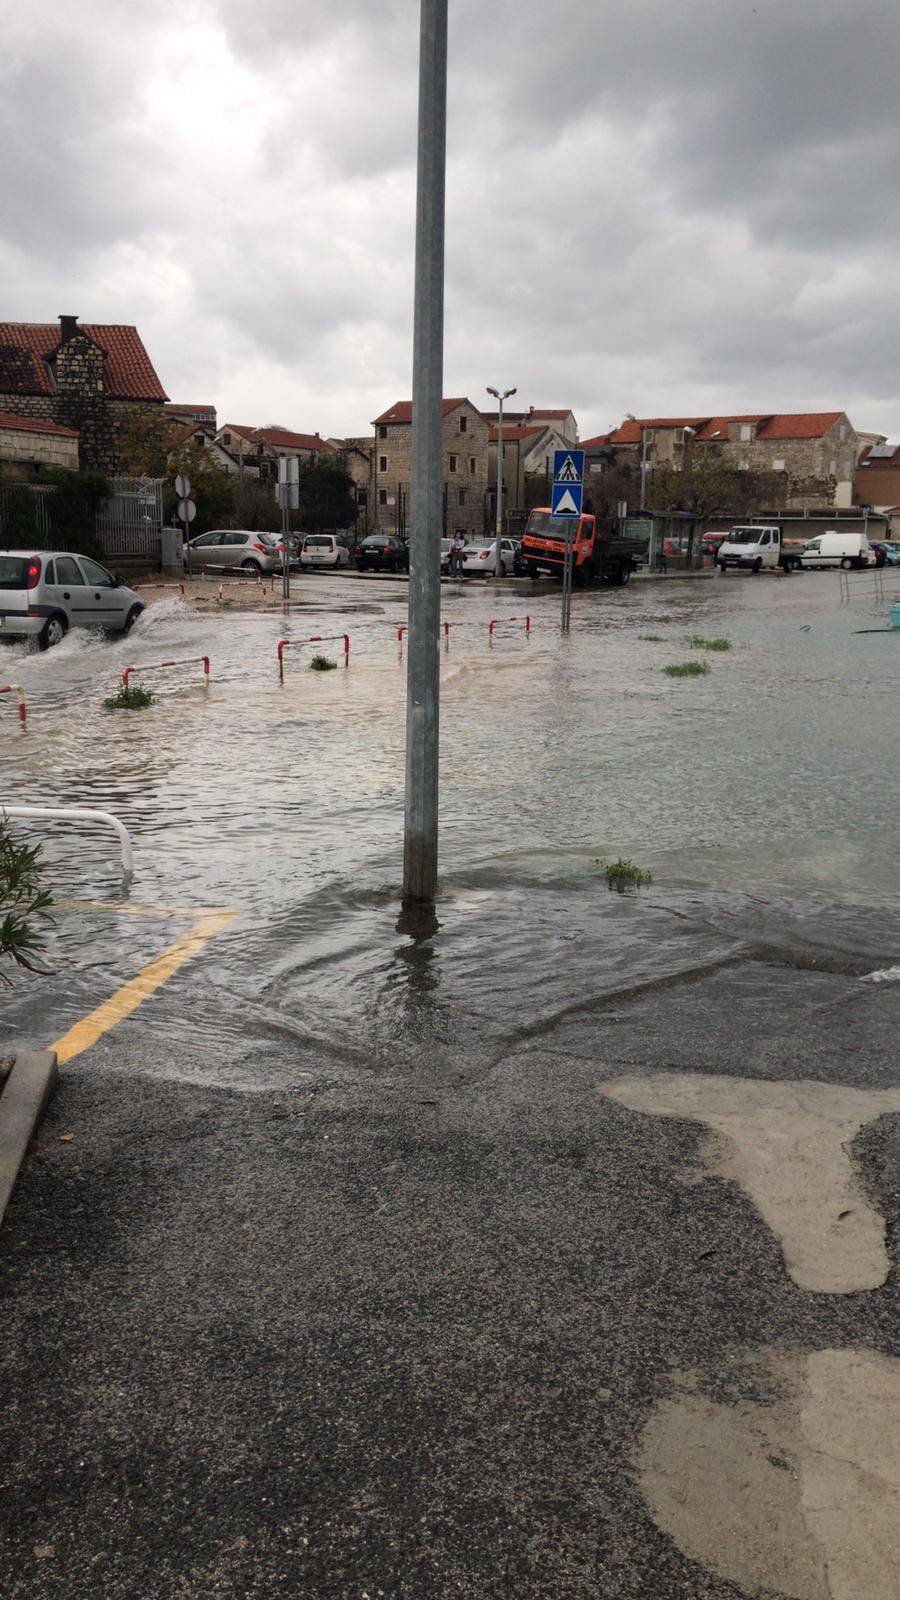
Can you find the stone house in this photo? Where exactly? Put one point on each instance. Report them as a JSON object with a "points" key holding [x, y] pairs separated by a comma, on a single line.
{"points": [[465, 468], [93, 379], [204, 438], [257, 450], [817, 451], [877, 480], [29, 443], [527, 464]]}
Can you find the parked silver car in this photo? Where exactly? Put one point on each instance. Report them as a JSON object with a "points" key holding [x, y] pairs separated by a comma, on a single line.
{"points": [[235, 547], [43, 593]]}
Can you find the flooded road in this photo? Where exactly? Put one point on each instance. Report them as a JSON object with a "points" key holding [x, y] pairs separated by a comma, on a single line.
{"points": [[762, 798]]}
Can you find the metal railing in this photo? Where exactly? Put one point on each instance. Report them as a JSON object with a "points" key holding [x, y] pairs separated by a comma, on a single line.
{"points": [[78, 814]]}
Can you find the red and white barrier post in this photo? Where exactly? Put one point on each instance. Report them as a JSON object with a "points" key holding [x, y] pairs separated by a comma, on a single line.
{"points": [[315, 638], [19, 692], [154, 666], [495, 620]]}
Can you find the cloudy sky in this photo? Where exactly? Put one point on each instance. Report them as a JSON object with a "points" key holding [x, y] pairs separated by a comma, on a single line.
{"points": [[651, 207]]}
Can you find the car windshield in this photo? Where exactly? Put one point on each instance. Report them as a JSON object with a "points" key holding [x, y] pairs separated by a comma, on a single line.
{"points": [[744, 536], [542, 525], [318, 539], [377, 540], [13, 572]]}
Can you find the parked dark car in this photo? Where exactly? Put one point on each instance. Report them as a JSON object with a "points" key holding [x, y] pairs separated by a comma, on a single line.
{"points": [[382, 552]]}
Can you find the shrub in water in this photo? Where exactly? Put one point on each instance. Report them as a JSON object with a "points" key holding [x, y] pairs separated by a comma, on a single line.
{"points": [[23, 900], [652, 638], [131, 697], [624, 874], [697, 642], [321, 664], [687, 669]]}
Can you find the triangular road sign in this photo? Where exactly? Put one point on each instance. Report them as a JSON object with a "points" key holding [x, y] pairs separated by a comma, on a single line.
{"points": [[566, 505]]}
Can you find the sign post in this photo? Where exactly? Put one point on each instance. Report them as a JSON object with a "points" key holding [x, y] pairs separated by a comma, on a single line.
{"points": [[566, 500], [289, 499], [186, 511]]}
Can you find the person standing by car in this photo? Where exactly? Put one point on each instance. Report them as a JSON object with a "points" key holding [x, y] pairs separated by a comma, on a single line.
{"points": [[456, 555]]}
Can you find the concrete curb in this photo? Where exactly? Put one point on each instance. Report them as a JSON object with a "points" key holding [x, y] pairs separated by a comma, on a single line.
{"points": [[25, 1095]]}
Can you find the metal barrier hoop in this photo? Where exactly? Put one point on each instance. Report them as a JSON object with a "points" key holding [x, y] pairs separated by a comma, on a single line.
{"points": [[16, 689], [495, 620], [78, 814], [153, 666], [315, 638]]}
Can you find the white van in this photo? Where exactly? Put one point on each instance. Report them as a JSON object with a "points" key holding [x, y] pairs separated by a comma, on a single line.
{"points": [[753, 548], [833, 549]]}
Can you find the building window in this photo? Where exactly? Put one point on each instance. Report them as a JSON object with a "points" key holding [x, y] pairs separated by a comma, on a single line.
{"points": [[226, 438], [382, 497], [746, 432], [382, 433], [462, 497], [848, 471], [453, 463], [463, 424], [842, 433], [679, 436], [833, 468], [473, 466], [382, 463], [778, 464]]}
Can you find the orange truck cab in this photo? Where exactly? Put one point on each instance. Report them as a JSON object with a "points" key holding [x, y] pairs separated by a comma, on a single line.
{"points": [[598, 553]]}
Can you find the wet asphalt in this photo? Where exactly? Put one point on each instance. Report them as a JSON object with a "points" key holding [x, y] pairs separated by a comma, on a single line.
{"points": [[397, 1333]]}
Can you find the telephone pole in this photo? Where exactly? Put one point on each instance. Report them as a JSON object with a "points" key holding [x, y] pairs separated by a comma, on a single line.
{"points": [[420, 843]]}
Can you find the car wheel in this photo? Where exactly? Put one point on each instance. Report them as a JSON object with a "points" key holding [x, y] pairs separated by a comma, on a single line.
{"points": [[53, 632], [757, 565], [132, 617], [251, 566], [846, 563]]}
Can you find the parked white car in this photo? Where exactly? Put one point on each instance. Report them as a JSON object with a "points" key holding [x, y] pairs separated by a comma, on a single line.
{"points": [[833, 549], [44, 593], [324, 550], [480, 557]]}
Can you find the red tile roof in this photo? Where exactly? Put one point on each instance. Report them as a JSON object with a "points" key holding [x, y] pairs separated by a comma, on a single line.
{"points": [[280, 438], [129, 371], [717, 427], [514, 433], [9, 419], [892, 461], [630, 431], [598, 441], [553, 416], [799, 425], [402, 411]]}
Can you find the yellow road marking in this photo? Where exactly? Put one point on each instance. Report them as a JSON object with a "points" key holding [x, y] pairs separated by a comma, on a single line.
{"points": [[89, 1029]]}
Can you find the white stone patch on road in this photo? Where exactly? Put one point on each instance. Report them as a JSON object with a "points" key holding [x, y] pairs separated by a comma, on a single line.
{"points": [[800, 1496], [787, 1145]]}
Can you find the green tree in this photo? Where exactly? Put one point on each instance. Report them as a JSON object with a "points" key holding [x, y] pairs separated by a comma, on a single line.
{"points": [[707, 486], [23, 900], [326, 497]]}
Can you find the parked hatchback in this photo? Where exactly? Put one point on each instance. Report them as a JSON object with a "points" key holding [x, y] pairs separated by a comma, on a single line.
{"points": [[324, 550], [383, 553], [45, 593], [235, 547]]}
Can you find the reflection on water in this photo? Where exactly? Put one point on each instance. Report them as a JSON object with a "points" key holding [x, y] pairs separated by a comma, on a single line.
{"points": [[760, 797]]}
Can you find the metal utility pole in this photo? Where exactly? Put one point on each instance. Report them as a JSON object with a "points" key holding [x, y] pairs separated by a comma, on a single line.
{"points": [[498, 553], [420, 842]]}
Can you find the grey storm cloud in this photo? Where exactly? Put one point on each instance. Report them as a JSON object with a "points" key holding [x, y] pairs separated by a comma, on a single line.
{"points": [[651, 208]]}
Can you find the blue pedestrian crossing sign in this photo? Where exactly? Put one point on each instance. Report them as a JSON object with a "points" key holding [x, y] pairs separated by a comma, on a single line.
{"points": [[568, 487]]}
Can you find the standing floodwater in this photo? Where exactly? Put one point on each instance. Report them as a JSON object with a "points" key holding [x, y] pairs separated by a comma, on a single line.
{"points": [[758, 795]]}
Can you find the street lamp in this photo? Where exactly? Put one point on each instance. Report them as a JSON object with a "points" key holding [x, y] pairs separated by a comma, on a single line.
{"points": [[498, 564]]}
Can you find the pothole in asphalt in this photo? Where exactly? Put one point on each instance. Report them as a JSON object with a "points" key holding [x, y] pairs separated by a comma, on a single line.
{"points": [[787, 1145]]}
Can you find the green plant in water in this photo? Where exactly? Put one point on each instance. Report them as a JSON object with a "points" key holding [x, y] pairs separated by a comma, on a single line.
{"points": [[623, 874], [22, 899], [321, 664], [697, 642], [652, 638], [687, 669], [131, 697]]}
